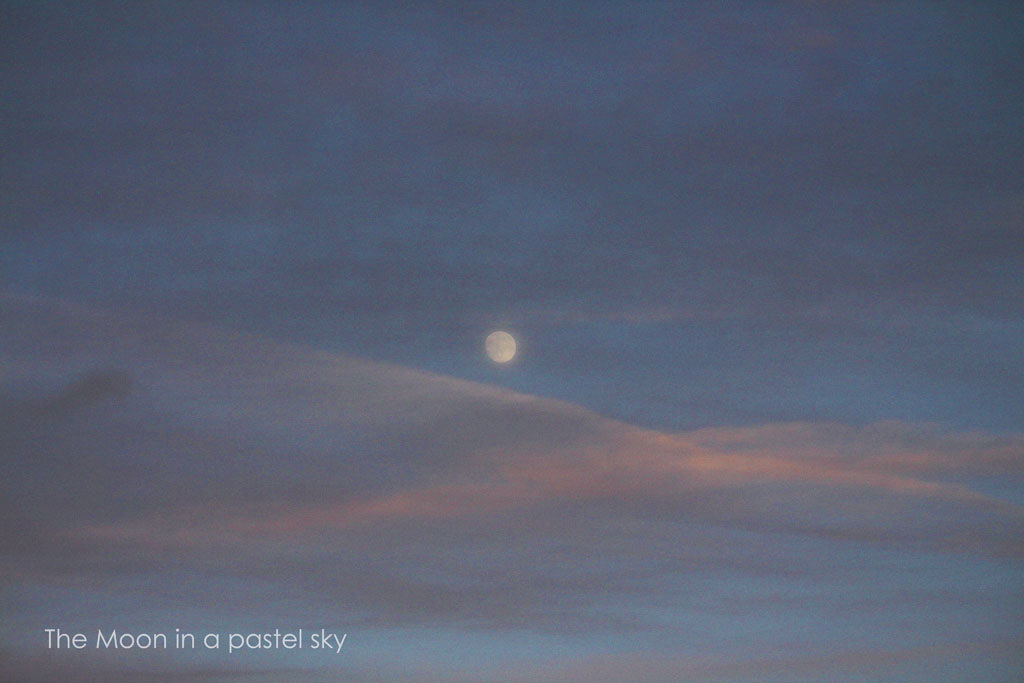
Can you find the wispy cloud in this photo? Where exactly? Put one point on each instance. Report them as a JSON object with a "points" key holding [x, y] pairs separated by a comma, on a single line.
{"points": [[409, 498], [407, 446]]}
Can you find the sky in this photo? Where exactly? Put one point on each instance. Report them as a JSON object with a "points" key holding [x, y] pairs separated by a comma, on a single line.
{"points": [[763, 262]]}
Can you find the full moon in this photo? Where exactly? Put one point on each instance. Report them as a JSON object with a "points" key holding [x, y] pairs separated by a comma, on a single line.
{"points": [[500, 346]]}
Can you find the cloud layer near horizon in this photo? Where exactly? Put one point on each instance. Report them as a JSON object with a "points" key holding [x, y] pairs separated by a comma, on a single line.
{"points": [[141, 445]]}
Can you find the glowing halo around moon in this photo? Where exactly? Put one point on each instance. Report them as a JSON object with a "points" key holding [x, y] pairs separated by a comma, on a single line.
{"points": [[500, 346]]}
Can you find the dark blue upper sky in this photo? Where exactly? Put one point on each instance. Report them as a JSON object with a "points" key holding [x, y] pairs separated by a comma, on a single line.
{"points": [[690, 214]]}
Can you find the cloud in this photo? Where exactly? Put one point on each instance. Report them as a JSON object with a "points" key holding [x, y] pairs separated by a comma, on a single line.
{"points": [[869, 664], [238, 468], [701, 214], [249, 438], [90, 388], [89, 667]]}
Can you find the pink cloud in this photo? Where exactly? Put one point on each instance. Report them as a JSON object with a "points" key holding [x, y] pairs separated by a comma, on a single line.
{"points": [[634, 466]]}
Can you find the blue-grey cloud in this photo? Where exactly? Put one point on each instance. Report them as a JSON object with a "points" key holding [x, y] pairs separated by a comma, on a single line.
{"points": [[763, 261], [789, 179], [404, 499]]}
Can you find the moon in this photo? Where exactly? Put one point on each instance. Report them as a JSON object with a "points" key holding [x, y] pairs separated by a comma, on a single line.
{"points": [[500, 346]]}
